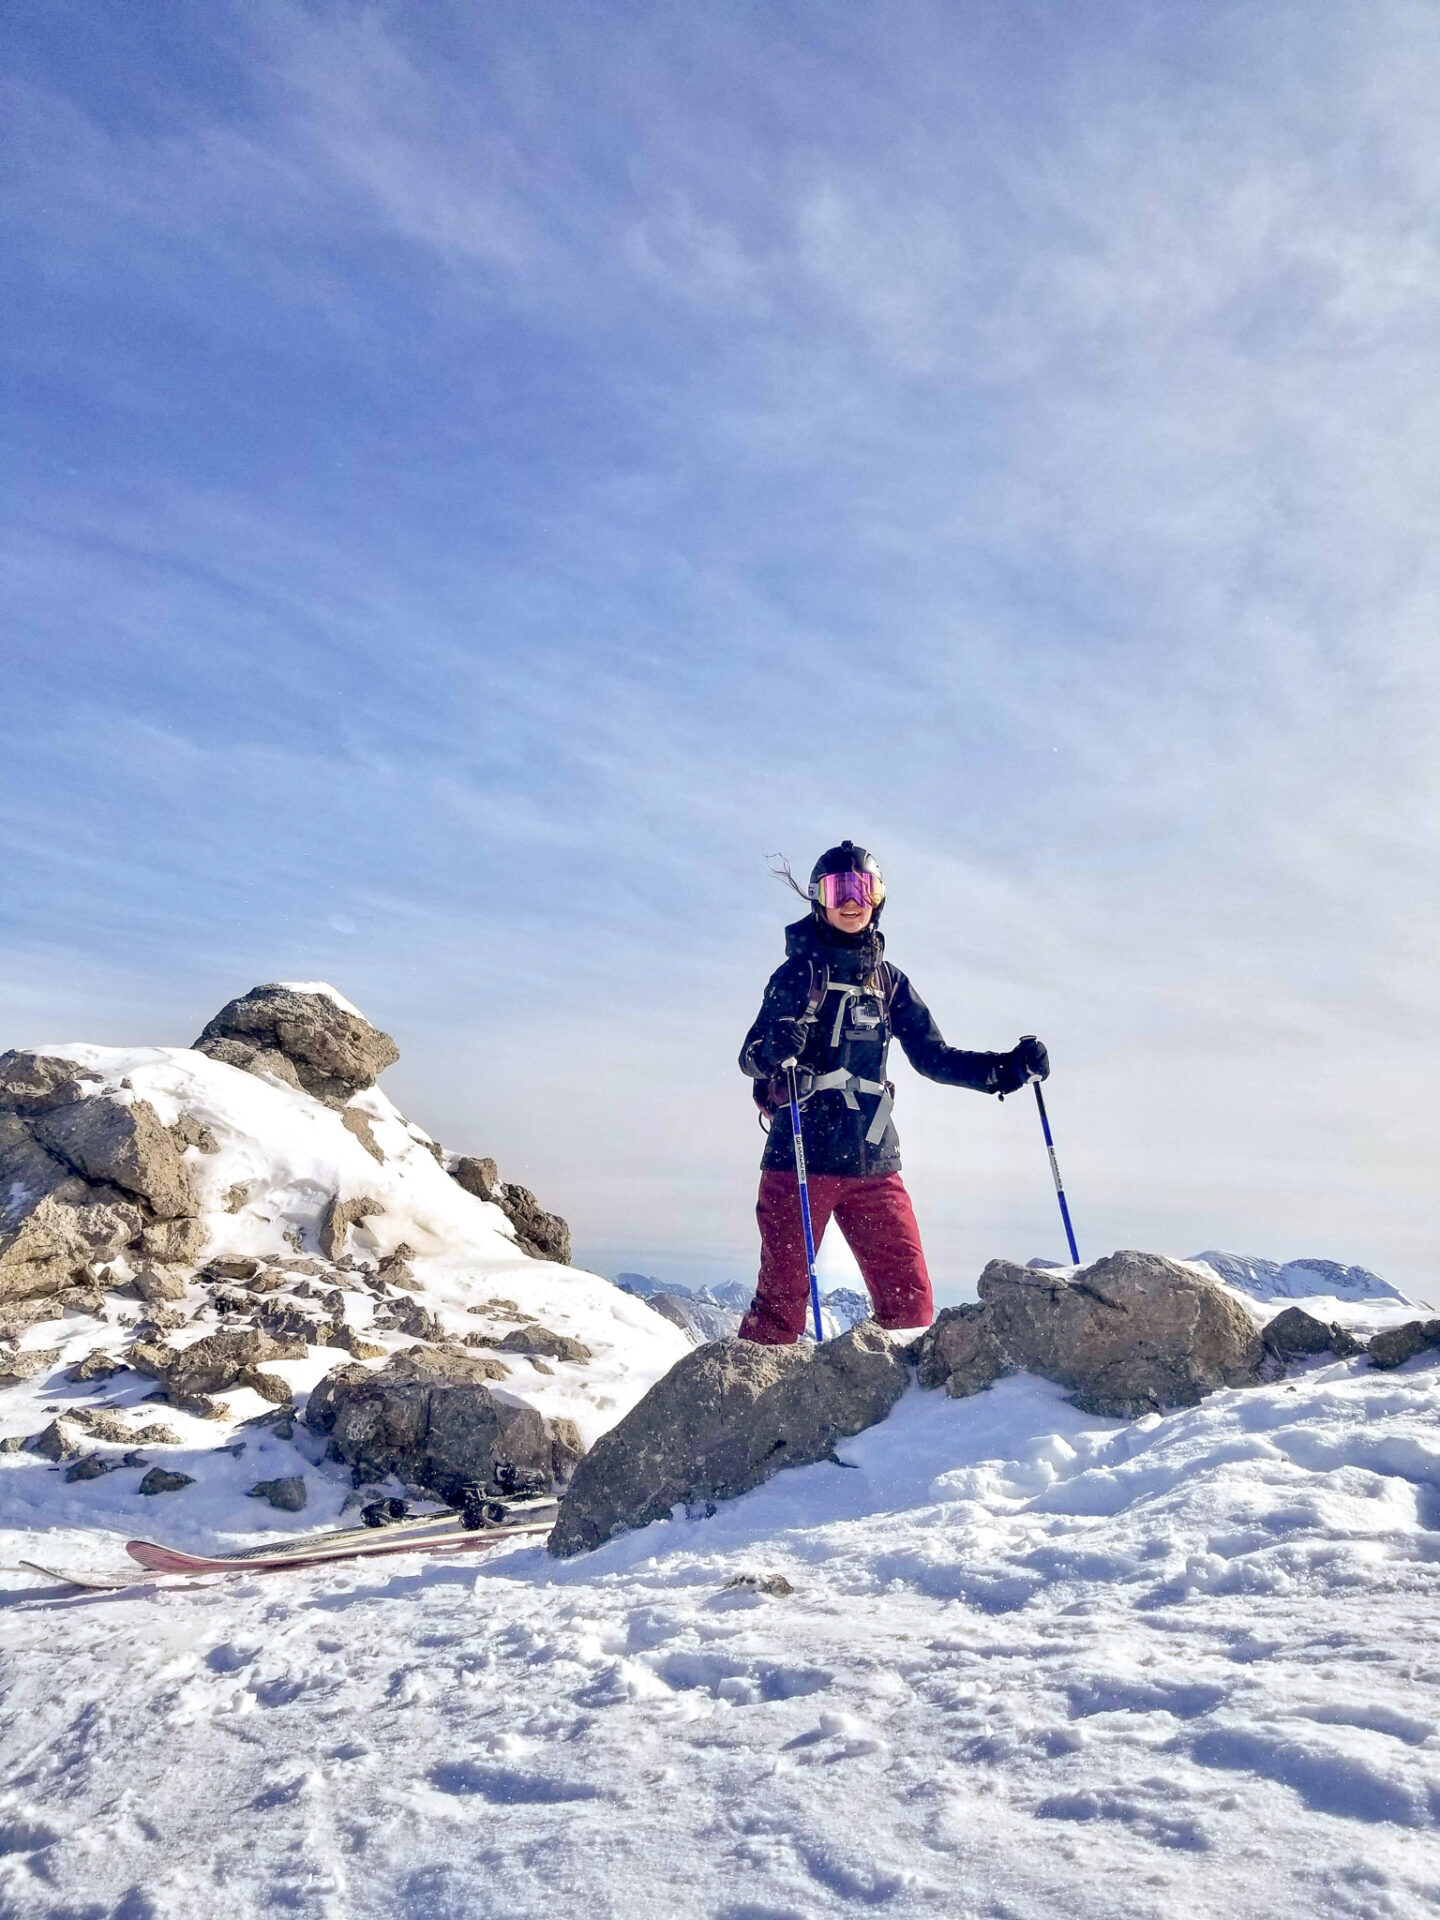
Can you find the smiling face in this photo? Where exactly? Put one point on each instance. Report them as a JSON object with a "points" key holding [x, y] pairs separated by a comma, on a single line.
{"points": [[851, 916]]}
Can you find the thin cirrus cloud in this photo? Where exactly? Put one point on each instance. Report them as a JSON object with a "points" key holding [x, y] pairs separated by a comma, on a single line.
{"points": [[488, 478]]}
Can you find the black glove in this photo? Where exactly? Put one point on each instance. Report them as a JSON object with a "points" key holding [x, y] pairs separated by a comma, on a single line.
{"points": [[786, 1041], [1026, 1062]]}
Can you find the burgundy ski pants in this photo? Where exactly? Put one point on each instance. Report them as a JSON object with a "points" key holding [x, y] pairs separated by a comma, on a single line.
{"points": [[878, 1222]]}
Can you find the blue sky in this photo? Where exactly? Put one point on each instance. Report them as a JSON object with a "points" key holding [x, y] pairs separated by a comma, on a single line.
{"points": [[482, 478]]}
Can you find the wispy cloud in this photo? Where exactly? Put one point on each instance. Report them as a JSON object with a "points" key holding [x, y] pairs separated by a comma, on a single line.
{"points": [[488, 477]]}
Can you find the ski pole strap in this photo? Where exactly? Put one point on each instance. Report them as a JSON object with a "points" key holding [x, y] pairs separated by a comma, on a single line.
{"points": [[840, 1081]]}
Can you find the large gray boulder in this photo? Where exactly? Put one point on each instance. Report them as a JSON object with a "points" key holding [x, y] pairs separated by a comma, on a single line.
{"points": [[122, 1144], [430, 1419], [306, 1039], [1130, 1334], [724, 1419]]}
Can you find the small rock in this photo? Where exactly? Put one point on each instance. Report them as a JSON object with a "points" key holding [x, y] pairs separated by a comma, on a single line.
{"points": [[150, 1357], [13, 1443], [269, 1386], [26, 1364], [161, 1480], [57, 1441], [349, 1341], [231, 1266], [534, 1339], [155, 1284], [96, 1366], [191, 1132], [161, 1319], [775, 1584], [236, 1196], [358, 1123], [156, 1436], [133, 1459], [81, 1300], [91, 1467], [286, 1495], [200, 1405]]}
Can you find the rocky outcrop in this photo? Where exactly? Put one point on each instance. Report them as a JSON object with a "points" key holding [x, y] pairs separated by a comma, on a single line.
{"points": [[1131, 1334], [544, 1236], [724, 1419], [305, 1039], [430, 1419], [83, 1177]]}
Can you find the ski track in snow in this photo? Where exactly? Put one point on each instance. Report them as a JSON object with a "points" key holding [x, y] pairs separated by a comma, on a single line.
{"points": [[1036, 1664]]}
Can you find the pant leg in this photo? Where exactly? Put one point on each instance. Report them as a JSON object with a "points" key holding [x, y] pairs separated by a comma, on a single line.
{"points": [[782, 1295], [878, 1223]]}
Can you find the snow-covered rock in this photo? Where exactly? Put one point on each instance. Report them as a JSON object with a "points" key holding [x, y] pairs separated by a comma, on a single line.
{"points": [[318, 1234]]}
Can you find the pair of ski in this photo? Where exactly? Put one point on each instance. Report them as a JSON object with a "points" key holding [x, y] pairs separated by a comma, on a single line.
{"points": [[436, 1533]]}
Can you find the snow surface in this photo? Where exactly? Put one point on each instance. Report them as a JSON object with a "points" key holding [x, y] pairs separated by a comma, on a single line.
{"points": [[1035, 1664]]}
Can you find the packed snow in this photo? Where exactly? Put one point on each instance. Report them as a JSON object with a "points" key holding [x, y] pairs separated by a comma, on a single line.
{"points": [[1000, 1659], [1033, 1664]]}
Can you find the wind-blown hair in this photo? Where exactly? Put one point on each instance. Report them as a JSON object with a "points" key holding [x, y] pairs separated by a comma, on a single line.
{"points": [[780, 869]]}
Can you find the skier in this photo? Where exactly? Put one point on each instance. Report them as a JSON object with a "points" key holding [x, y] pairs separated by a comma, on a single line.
{"points": [[833, 1007]]}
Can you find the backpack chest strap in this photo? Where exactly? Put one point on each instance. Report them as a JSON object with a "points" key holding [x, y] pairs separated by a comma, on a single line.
{"points": [[849, 1084]]}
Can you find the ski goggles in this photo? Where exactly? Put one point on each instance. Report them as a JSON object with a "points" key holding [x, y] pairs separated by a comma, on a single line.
{"points": [[834, 889]]}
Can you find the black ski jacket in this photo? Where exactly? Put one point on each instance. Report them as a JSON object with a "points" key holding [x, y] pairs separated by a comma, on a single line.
{"points": [[850, 1034]]}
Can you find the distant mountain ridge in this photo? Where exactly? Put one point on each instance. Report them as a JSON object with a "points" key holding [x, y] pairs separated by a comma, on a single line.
{"points": [[1297, 1279], [714, 1313]]}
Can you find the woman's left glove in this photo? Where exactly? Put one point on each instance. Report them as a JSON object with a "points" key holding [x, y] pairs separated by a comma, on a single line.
{"points": [[1025, 1062]]}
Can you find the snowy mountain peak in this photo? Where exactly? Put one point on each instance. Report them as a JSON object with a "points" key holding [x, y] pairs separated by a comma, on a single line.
{"points": [[1297, 1279]]}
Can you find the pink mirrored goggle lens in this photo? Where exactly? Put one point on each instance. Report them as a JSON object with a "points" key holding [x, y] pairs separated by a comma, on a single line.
{"points": [[837, 888]]}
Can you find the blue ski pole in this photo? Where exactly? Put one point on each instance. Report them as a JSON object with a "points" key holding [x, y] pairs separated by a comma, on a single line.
{"points": [[794, 1091], [1055, 1170]]}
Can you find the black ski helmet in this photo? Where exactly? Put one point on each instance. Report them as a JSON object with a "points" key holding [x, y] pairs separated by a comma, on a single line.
{"points": [[846, 858]]}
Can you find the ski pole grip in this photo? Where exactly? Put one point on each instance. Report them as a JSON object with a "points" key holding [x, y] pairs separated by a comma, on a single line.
{"points": [[786, 1065]]}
